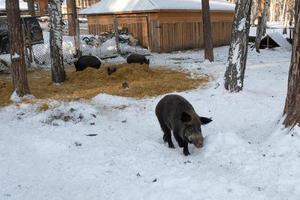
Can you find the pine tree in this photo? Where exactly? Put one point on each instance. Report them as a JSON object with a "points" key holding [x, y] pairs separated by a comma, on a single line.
{"points": [[262, 23], [73, 24], [207, 33], [18, 66], [292, 103]]}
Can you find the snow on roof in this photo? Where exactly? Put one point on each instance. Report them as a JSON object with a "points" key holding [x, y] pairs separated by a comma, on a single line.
{"points": [[280, 40], [113, 6], [23, 5]]}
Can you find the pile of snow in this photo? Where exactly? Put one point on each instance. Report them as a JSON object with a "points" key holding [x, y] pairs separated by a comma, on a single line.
{"points": [[120, 154], [279, 39], [104, 50], [108, 6], [17, 99]]}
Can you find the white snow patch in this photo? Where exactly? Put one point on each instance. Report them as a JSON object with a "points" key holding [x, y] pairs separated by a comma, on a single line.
{"points": [[17, 99], [242, 24], [15, 56], [108, 6], [115, 143]]}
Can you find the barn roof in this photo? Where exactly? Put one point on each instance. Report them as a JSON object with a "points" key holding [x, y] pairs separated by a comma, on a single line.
{"points": [[23, 5], [125, 6]]}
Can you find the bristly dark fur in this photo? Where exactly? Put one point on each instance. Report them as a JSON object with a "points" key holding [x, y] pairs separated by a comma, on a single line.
{"points": [[87, 61], [111, 70], [176, 114], [137, 58]]}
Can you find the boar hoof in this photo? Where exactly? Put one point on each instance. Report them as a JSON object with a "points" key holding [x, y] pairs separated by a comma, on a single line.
{"points": [[171, 145], [186, 152]]}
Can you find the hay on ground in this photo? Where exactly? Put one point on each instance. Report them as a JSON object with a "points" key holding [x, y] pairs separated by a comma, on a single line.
{"points": [[86, 84]]}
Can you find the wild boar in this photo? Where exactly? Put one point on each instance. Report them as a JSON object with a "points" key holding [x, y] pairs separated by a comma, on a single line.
{"points": [[87, 61], [111, 70], [176, 114], [137, 58]]}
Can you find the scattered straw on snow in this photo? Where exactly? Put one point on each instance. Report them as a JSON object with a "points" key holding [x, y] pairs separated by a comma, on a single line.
{"points": [[87, 84]]}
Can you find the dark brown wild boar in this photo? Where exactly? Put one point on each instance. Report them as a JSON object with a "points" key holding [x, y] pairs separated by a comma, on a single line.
{"points": [[176, 114], [137, 58], [87, 61]]}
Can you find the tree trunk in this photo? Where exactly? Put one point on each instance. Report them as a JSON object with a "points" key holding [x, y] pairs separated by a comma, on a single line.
{"points": [[72, 17], [234, 75], [254, 12], [57, 64], [284, 10], [73, 24], [116, 25], [207, 33], [31, 7], [18, 66], [262, 23], [292, 103]]}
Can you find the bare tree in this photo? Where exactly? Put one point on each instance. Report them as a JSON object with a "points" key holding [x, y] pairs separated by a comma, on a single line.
{"points": [[234, 75], [254, 11], [18, 66], [73, 24], [262, 23], [31, 7], [207, 33], [57, 64], [292, 103]]}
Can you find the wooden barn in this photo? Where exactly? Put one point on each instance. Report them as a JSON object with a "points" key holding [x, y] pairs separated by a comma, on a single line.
{"points": [[41, 6], [162, 25]]}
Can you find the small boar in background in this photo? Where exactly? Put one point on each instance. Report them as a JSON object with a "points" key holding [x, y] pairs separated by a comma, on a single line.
{"points": [[137, 58], [111, 70], [176, 114]]}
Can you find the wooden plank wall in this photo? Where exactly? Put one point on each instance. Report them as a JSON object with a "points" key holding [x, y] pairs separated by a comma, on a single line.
{"points": [[184, 31], [167, 31]]}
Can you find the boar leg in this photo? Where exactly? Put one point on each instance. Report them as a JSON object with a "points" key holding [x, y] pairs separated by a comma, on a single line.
{"points": [[178, 139], [185, 148], [167, 134]]}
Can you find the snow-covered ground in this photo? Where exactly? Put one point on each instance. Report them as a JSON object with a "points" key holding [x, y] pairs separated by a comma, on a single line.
{"points": [[51, 155]]}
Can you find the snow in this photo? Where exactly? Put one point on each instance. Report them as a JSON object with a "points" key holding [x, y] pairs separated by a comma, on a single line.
{"points": [[242, 24], [108, 6], [107, 49], [15, 56], [23, 5], [279, 39], [247, 153], [17, 99]]}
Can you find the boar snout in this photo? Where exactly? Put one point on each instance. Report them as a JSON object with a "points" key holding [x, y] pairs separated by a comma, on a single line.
{"points": [[196, 139]]}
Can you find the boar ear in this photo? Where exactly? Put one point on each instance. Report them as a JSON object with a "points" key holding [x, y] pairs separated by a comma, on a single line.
{"points": [[185, 117], [205, 120]]}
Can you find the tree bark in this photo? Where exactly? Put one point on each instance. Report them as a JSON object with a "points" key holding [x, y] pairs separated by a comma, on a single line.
{"points": [[116, 27], [57, 64], [73, 24], [31, 7], [18, 66], [207, 33], [254, 12], [72, 17], [236, 64], [292, 103], [262, 23]]}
